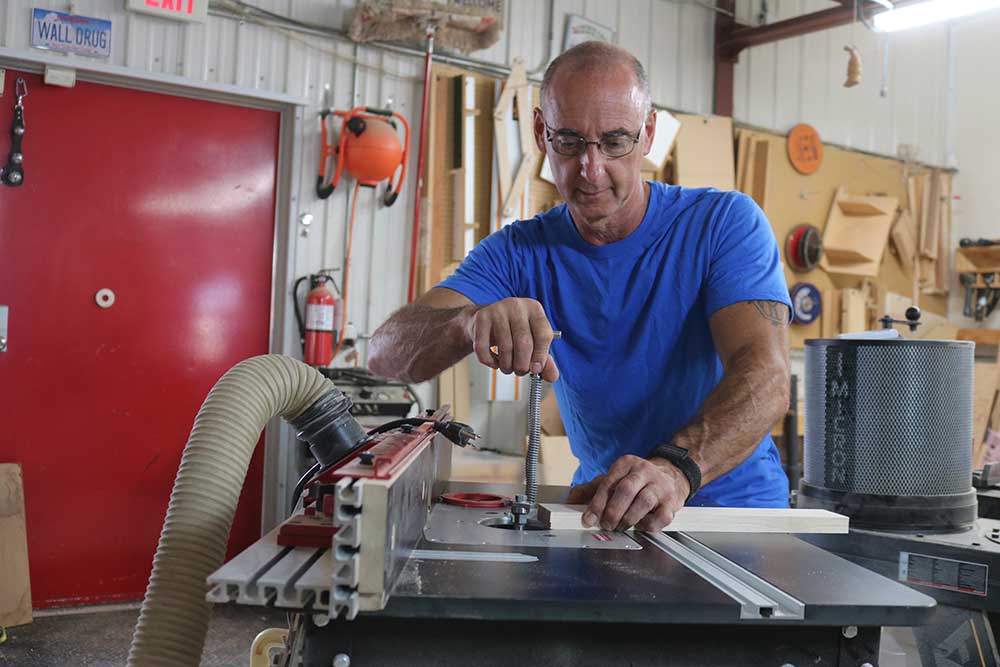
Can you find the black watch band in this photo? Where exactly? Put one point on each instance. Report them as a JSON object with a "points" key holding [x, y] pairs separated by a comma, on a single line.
{"points": [[681, 458]]}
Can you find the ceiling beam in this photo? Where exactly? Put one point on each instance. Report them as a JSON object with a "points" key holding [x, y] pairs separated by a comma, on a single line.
{"points": [[737, 37]]}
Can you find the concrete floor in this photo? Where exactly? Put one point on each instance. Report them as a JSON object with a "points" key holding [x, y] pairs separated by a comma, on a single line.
{"points": [[99, 638]]}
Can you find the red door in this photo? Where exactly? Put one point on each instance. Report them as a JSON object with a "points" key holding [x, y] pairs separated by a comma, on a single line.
{"points": [[168, 203]]}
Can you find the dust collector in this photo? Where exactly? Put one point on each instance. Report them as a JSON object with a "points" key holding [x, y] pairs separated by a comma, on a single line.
{"points": [[888, 437]]}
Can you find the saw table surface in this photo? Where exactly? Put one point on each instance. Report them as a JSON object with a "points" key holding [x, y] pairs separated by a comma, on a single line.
{"points": [[644, 585]]}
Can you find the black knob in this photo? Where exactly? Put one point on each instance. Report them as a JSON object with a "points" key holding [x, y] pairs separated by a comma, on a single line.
{"points": [[913, 313]]}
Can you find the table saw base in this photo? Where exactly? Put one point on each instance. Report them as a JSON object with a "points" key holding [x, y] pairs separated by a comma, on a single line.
{"points": [[424, 642]]}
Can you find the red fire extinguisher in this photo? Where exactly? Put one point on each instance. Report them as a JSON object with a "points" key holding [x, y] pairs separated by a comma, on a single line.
{"points": [[318, 329]]}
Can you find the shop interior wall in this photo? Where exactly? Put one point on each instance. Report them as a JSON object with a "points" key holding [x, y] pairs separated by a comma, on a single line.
{"points": [[673, 39]]}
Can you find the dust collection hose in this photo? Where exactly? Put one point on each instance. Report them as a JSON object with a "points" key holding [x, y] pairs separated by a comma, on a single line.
{"points": [[174, 619]]}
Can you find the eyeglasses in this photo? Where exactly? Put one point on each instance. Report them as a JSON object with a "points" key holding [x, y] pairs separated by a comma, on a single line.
{"points": [[572, 144]]}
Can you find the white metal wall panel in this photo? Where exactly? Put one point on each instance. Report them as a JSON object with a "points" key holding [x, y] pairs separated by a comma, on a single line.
{"points": [[801, 80]]}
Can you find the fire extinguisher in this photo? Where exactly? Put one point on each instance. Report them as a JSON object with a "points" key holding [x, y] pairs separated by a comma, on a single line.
{"points": [[318, 328]]}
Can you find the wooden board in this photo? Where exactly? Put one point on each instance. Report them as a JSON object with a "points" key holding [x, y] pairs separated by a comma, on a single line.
{"points": [[761, 156], [942, 264], [853, 311], [716, 519], [742, 153], [15, 586], [703, 152], [831, 315], [438, 228], [453, 390], [930, 185], [903, 237]]}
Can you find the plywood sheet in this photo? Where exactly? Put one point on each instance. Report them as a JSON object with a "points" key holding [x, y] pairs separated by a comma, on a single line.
{"points": [[703, 152], [716, 519], [15, 586]]}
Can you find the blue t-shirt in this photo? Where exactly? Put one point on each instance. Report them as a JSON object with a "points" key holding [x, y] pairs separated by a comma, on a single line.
{"points": [[636, 357]]}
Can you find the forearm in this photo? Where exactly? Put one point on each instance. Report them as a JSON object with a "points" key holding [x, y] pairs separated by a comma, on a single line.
{"points": [[751, 397], [419, 341]]}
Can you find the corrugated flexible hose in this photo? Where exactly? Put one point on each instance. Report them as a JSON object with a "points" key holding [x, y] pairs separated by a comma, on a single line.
{"points": [[174, 618]]}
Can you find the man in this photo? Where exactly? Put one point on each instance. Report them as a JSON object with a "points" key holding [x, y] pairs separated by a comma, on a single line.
{"points": [[673, 361]]}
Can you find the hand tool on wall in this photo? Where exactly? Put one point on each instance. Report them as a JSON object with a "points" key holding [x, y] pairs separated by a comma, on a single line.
{"points": [[13, 172], [983, 297], [968, 280], [990, 294], [972, 243]]}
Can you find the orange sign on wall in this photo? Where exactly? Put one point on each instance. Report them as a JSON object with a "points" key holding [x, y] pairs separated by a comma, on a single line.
{"points": [[805, 150]]}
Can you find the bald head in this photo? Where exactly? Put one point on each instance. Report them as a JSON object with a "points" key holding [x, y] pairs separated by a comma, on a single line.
{"points": [[590, 56]]}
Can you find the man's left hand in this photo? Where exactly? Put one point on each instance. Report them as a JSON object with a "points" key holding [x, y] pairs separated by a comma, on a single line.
{"points": [[634, 492]]}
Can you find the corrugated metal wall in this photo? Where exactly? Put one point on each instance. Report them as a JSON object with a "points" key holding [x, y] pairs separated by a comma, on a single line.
{"points": [[801, 80]]}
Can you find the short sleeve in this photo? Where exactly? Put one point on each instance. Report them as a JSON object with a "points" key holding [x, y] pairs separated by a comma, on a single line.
{"points": [[487, 274], [745, 263]]}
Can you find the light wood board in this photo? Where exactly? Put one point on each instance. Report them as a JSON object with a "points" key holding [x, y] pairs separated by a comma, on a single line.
{"points": [[15, 585], [716, 519], [703, 152]]}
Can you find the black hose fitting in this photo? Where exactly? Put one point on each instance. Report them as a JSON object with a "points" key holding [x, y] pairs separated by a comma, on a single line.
{"points": [[329, 429]]}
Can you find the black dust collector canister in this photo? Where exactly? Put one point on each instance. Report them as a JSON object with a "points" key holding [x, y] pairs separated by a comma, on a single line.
{"points": [[888, 438]]}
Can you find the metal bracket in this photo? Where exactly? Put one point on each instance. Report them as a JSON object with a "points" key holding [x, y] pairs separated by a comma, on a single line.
{"points": [[758, 599]]}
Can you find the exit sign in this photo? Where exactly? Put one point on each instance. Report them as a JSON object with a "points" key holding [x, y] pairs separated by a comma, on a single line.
{"points": [[179, 10]]}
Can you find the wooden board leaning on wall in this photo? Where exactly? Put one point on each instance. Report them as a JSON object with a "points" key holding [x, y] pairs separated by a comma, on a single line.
{"points": [[790, 198], [438, 229]]}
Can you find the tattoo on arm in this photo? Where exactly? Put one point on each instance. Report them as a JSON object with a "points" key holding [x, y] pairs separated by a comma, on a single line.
{"points": [[773, 311]]}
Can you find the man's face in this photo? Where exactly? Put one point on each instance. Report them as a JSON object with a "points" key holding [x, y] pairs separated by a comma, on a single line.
{"points": [[596, 104]]}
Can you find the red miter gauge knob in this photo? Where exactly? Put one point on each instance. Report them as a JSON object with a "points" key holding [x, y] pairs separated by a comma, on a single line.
{"points": [[475, 499]]}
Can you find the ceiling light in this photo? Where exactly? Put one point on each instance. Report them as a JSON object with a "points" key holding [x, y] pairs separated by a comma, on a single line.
{"points": [[932, 11]]}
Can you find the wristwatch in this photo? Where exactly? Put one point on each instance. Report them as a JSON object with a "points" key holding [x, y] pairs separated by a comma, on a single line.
{"points": [[681, 458]]}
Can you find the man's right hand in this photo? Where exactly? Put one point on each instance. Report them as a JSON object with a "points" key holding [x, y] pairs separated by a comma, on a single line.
{"points": [[520, 333]]}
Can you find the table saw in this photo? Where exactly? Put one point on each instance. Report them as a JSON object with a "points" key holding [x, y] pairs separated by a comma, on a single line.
{"points": [[390, 564]]}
